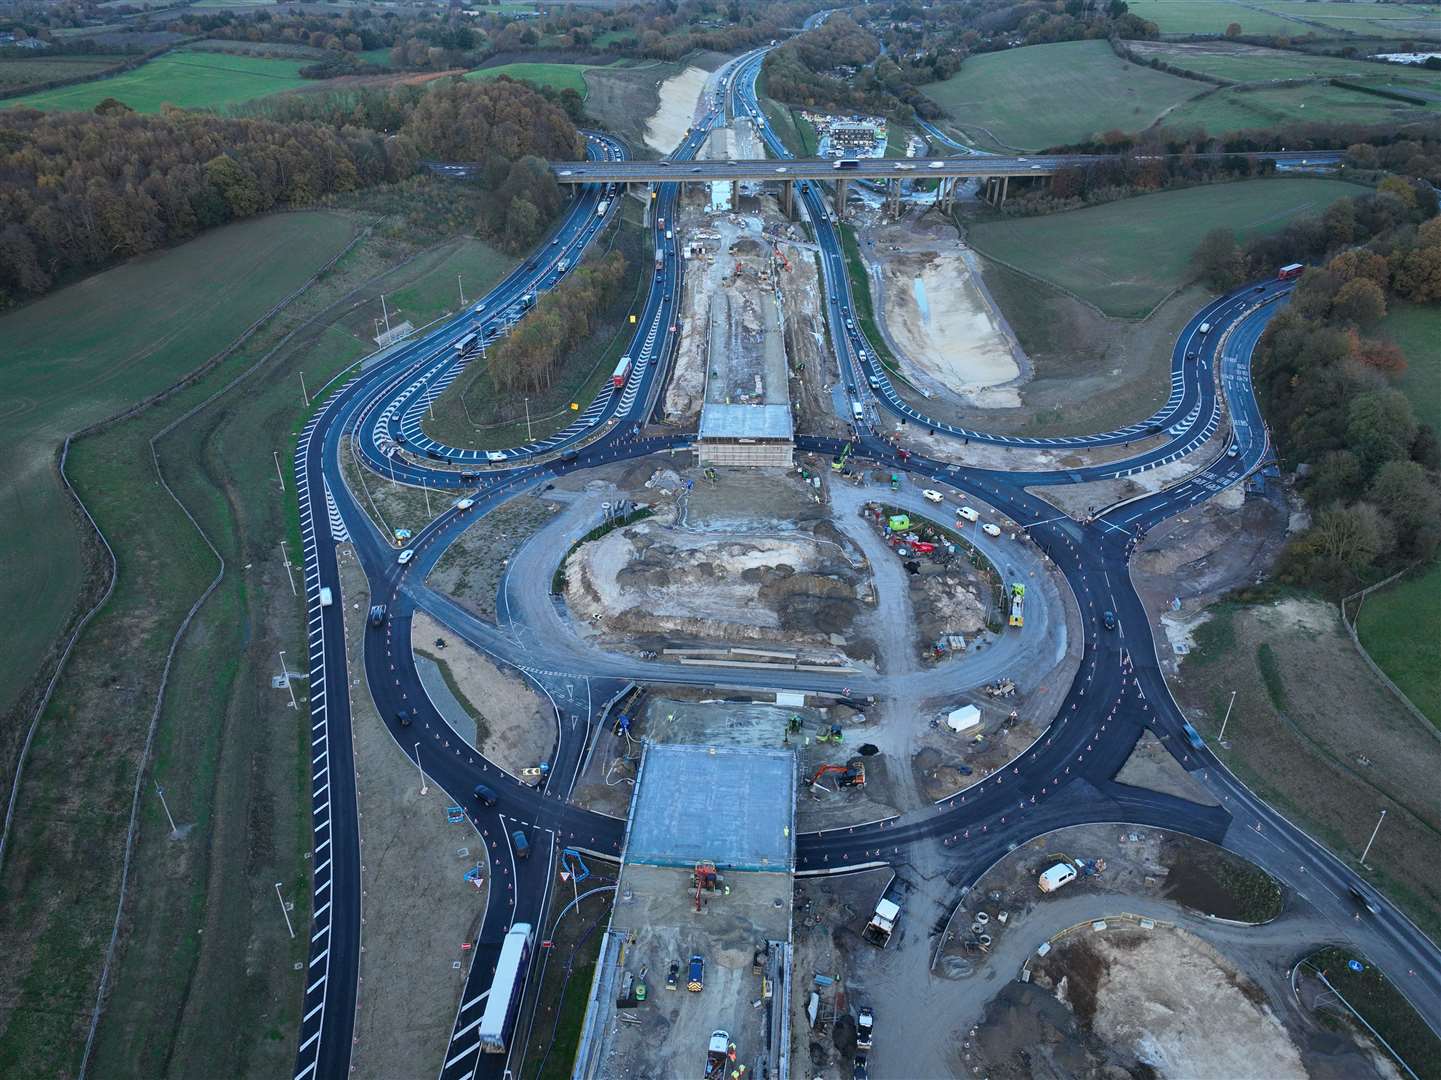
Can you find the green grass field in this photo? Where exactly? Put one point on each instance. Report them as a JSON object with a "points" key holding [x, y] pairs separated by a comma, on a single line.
{"points": [[1248, 63], [1237, 110], [1049, 95], [90, 350], [560, 76], [1126, 256], [15, 74], [1400, 627], [1287, 17], [1210, 17], [1417, 330], [478, 267], [187, 78]]}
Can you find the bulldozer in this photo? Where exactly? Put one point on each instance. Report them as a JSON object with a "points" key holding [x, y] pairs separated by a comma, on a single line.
{"points": [[852, 774]]}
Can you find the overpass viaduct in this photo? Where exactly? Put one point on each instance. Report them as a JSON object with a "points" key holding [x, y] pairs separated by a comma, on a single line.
{"points": [[994, 171]]}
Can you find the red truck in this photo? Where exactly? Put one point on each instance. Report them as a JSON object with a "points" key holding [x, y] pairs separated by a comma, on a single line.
{"points": [[1290, 270]]}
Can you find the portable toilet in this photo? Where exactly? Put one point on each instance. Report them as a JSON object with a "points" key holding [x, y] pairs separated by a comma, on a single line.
{"points": [[899, 522]]}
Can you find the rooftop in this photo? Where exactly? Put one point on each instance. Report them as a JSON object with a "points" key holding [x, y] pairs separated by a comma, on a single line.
{"points": [[732, 806], [718, 421]]}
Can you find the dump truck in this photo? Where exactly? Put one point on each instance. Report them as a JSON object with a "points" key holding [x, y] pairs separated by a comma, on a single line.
{"points": [[717, 1054], [883, 923]]}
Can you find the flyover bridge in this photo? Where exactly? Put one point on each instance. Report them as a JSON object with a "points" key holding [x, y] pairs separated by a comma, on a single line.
{"points": [[994, 171]]}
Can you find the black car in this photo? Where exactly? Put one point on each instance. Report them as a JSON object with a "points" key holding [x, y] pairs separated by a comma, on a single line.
{"points": [[469, 477], [1364, 901], [377, 614], [484, 795], [403, 718], [1108, 620]]}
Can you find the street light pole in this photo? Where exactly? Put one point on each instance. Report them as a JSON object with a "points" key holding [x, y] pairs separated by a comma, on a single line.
{"points": [[284, 911], [1222, 737], [527, 420], [423, 789], [425, 486], [286, 676], [285, 557], [462, 289], [276, 455], [303, 393], [1373, 837], [168, 816]]}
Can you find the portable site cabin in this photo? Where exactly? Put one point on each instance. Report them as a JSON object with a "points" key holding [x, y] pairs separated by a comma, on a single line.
{"points": [[964, 718]]}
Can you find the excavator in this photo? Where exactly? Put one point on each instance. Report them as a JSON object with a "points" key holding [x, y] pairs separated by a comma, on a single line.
{"points": [[852, 774]]}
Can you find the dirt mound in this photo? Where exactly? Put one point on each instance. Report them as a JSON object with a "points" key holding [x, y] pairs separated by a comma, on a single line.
{"points": [[652, 579]]}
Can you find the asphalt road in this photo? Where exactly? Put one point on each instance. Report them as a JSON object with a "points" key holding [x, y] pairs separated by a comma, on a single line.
{"points": [[1065, 778]]}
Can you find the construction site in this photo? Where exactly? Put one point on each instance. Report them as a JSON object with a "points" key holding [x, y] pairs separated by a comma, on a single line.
{"points": [[695, 966]]}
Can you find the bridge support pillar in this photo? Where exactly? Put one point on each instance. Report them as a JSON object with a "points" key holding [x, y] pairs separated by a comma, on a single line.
{"points": [[842, 189], [788, 199], [893, 196], [735, 195], [1005, 187]]}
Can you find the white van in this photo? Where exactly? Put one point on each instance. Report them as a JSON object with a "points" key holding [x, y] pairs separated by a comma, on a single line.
{"points": [[326, 599], [967, 513], [932, 495], [1056, 876], [406, 556], [856, 411], [494, 455]]}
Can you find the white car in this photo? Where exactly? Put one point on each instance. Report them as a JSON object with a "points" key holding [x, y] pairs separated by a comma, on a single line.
{"points": [[932, 495], [465, 504], [938, 164], [967, 513], [494, 455], [991, 530], [406, 556], [781, 169], [907, 168]]}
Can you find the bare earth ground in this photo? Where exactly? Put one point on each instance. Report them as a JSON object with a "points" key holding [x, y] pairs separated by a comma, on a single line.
{"points": [[1081, 372], [678, 96], [410, 862], [622, 99], [754, 559], [947, 335], [1152, 767], [471, 568], [1315, 735], [813, 362], [516, 728], [1168, 999]]}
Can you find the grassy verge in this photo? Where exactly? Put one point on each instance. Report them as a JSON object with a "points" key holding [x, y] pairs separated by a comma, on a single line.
{"points": [[204, 983], [1400, 626], [474, 413], [1309, 756], [797, 134], [1384, 1008], [564, 989], [1125, 257], [865, 312], [482, 729], [86, 352]]}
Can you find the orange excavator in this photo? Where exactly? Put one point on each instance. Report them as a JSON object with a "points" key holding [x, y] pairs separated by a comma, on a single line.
{"points": [[851, 775]]}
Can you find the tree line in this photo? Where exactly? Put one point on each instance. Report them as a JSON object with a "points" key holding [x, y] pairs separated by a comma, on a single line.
{"points": [[529, 360], [1327, 386], [80, 191]]}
